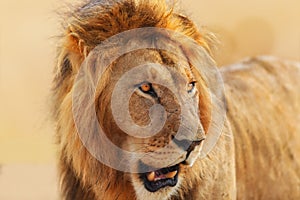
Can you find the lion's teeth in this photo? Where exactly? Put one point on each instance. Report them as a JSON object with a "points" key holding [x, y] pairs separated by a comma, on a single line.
{"points": [[151, 176], [171, 174]]}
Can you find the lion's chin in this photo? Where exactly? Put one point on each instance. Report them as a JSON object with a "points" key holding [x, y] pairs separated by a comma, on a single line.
{"points": [[158, 179]]}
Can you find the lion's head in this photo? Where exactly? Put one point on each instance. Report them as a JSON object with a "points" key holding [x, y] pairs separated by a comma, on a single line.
{"points": [[164, 169], [166, 154]]}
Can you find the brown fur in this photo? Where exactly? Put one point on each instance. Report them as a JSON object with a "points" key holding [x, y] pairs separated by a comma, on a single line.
{"points": [[263, 96], [231, 169]]}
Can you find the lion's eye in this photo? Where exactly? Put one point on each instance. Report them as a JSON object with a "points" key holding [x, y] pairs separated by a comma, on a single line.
{"points": [[191, 86], [148, 89], [145, 87]]}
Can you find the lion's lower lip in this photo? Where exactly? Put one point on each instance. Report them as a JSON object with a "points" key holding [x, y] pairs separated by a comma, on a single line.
{"points": [[161, 178]]}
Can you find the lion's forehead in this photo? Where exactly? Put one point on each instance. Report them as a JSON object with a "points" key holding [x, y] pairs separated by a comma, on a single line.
{"points": [[170, 61]]}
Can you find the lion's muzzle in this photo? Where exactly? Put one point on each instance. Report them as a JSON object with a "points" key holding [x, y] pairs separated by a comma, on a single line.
{"points": [[160, 178]]}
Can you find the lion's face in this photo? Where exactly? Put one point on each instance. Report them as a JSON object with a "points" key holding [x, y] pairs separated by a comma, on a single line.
{"points": [[167, 154]]}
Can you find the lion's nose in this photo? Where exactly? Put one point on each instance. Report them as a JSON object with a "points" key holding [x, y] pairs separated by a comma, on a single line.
{"points": [[193, 145], [187, 145]]}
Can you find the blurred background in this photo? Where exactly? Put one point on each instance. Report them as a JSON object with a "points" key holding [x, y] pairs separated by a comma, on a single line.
{"points": [[27, 50]]}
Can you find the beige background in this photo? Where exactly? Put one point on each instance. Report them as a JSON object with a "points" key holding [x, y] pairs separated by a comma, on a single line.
{"points": [[27, 48]]}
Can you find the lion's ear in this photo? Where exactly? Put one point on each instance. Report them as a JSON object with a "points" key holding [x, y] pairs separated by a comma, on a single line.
{"points": [[74, 43], [69, 59], [70, 55]]}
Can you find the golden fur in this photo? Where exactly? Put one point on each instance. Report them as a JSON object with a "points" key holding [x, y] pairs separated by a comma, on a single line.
{"points": [[255, 157]]}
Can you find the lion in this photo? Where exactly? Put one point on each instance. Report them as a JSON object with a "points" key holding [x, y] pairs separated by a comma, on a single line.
{"points": [[256, 156]]}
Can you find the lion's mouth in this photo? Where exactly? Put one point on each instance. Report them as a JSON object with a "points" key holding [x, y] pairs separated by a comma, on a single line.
{"points": [[155, 180], [161, 178]]}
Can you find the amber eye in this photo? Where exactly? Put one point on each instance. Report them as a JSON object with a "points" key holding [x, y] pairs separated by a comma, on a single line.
{"points": [[145, 87], [191, 86]]}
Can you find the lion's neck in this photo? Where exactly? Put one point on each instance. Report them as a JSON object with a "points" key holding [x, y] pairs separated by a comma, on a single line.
{"points": [[117, 188]]}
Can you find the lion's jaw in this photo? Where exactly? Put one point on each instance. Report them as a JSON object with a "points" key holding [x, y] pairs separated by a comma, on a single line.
{"points": [[176, 174]]}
